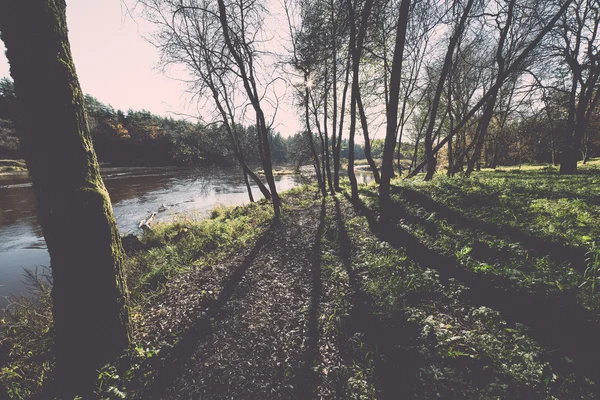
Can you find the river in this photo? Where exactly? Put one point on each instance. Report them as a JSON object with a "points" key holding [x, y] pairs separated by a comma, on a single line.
{"points": [[134, 192]]}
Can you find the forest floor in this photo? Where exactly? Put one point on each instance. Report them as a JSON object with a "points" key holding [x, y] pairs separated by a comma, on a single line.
{"points": [[481, 288]]}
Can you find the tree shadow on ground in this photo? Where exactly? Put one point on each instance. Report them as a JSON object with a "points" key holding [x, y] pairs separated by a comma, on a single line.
{"points": [[173, 364], [556, 322], [558, 251], [306, 376], [391, 337]]}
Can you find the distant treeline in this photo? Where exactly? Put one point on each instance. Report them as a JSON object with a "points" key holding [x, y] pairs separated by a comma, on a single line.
{"points": [[140, 138]]}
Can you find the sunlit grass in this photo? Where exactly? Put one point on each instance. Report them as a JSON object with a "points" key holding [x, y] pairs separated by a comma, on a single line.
{"points": [[538, 200], [7, 166]]}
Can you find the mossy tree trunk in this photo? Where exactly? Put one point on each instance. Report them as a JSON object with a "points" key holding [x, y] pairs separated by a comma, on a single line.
{"points": [[89, 293]]}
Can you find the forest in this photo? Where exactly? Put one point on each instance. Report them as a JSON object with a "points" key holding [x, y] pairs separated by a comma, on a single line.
{"points": [[464, 267], [140, 138]]}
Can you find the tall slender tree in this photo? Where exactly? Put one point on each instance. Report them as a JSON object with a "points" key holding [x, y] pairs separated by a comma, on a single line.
{"points": [[392, 108], [357, 39], [189, 34], [237, 19], [454, 40]]}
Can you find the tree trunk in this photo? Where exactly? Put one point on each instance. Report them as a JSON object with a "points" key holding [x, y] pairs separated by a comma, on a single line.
{"points": [[365, 129], [327, 166], [247, 75], [335, 179], [338, 147], [450, 171], [482, 128], [402, 116], [387, 167], [355, 44], [322, 140], [570, 154], [89, 293], [259, 141], [351, 174], [429, 153], [496, 155], [238, 153], [413, 162], [247, 171], [248, 187], [267, 163], [313, 150]]}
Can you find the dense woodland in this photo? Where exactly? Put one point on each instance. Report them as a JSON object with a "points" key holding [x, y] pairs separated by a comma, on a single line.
{"points": [[460, 272], [140, 138]]}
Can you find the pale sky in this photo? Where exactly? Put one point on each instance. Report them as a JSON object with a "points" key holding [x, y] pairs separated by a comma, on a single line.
{"points": [[119, 67]]}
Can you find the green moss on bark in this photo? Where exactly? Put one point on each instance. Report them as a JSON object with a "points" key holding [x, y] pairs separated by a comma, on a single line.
{"points": [[89, 294]]}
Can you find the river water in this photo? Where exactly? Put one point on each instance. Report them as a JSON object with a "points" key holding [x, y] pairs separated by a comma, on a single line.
{"points": [[134, 192]]}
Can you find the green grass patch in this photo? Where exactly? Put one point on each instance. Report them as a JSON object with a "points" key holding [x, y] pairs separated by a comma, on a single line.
{"points": [[513, 222], [7, 166], [186, 243], [453, 348]]}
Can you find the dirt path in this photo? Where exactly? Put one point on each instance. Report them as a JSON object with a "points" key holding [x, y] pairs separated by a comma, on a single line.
{"points": [[256, 339]]}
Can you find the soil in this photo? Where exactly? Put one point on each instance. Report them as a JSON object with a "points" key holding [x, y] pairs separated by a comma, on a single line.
{"points": [[252, 339]]}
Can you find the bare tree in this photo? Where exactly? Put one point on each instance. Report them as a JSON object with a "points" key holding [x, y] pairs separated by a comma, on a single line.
{"points": [[241, 22], [305, 58], [357, 38], [500, 58], [579, 47], [552, 15], [454, 39], [190, 35]]}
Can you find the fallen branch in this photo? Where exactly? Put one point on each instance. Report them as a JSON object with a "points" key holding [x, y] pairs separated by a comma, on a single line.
{"points": [[145, 223]]}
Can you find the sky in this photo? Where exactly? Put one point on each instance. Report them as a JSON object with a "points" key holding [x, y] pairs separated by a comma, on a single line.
{"points": [[118, 66]]}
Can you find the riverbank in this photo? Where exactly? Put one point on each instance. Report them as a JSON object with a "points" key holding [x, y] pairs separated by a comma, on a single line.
{"points": [[135, 193], [480, 288]]}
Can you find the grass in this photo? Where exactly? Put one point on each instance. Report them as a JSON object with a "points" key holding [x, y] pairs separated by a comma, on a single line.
{"points": [[535, 199], [9, 166], [280, 171], [188, 243], [439, 348], [504, 230], [168, 251], [483, 287], [511, 222]]}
